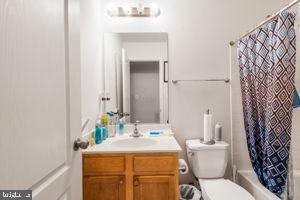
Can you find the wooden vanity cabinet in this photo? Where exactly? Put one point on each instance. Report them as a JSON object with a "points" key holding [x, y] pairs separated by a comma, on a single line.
{"points": [[130, 176], [154, 187], [104, 188]]}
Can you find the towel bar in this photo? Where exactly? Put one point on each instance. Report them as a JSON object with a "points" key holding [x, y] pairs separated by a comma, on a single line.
{"points": [[226, 80]]}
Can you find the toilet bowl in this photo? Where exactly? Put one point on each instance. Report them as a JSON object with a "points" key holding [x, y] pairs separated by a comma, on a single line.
{"points": [[222, 189], [208, 163]]}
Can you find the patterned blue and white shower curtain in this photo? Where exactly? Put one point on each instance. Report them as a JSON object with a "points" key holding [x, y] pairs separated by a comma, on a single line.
{"points": [[267, 60]]}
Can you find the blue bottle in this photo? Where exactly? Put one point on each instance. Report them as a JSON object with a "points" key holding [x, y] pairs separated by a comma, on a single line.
{"points": [[98, 135], [104, 133], [121, 126]]}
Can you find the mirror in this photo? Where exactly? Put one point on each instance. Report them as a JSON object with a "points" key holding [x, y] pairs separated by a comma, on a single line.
{"points": [[136, 76]]}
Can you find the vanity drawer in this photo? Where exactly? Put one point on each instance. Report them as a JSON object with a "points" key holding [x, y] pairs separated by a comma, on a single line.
{"points": [[154, 163], [103, 164]]}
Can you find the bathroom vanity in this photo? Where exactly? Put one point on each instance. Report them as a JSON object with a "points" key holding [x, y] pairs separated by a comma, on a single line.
{"points": [[126, 168]]}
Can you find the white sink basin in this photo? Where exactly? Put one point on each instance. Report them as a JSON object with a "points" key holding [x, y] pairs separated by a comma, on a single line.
{"points": [[126, 144], [134, 142]]}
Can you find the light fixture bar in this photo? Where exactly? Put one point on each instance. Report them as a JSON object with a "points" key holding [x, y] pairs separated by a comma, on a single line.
{"points": [[133, 11]]}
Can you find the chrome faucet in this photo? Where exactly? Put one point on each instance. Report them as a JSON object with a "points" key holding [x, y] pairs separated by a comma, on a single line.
{"points": [[136, 132]]}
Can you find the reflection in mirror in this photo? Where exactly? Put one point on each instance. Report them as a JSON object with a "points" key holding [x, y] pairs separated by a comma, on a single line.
{"points": [[136, 76]]}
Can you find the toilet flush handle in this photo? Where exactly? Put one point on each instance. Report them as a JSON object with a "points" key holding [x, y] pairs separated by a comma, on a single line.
{"points": [[191, 153]]}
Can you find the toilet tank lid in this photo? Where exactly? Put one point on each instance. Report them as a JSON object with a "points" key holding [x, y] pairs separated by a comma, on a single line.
{"points": [[197, 145]]}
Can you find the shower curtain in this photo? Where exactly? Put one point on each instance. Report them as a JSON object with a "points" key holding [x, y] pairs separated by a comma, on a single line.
{"points": [[267, 60]]}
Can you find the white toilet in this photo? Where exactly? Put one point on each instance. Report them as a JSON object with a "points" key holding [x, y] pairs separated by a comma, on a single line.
{"points": [[208, 163]]}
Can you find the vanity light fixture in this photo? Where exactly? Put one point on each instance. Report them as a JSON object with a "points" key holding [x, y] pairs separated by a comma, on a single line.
{"points": [[127, 10]]}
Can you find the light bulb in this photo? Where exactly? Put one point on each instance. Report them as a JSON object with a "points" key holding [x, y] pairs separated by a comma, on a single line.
{"points": [[154, 10], [111, 9], [140, 9], [127, 9]]}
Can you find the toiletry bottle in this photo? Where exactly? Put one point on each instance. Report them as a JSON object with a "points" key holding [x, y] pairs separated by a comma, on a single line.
{"points": [[218, 132], [116, 121], [111, 127], [104, 133], [98, 135], [92, 140], [121, 126], [104, 120]]}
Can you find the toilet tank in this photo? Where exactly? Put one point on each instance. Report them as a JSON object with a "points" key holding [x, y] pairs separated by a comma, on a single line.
{"points": [[207, 161]]}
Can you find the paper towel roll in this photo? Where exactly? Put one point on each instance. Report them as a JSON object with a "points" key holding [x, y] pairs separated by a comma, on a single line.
{"points": [[183, 167], [207, 127]]}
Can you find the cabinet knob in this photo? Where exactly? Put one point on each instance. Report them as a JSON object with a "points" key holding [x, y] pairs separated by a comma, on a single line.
{"points": [[121, 182], [136, 183]]}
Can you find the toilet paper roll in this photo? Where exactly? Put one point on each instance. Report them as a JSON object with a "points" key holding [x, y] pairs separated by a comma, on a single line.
{"points": [[207, 126], [183, 167]]}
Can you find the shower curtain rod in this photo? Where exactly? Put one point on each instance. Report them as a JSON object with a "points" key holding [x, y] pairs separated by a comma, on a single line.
{"points": [[265, 21]]}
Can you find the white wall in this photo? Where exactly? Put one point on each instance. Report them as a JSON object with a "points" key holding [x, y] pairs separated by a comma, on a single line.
{"points": [[92, 73], [199, 32]]}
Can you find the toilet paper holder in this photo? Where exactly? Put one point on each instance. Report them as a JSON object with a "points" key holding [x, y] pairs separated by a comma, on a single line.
{"points": [[183, 167]]}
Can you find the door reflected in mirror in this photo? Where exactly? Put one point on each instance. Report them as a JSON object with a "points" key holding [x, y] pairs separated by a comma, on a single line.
{"points": [[136, 76]]}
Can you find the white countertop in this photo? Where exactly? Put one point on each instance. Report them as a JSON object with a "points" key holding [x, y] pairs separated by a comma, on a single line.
{"points": [[154, 144]]}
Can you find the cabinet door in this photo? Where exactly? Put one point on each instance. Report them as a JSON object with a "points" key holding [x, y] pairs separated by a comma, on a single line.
{"points": [[104, 188], [154, 187]]}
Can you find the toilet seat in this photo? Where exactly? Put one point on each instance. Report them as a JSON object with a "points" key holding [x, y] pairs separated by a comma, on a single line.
{"points": [[222, 189]]}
